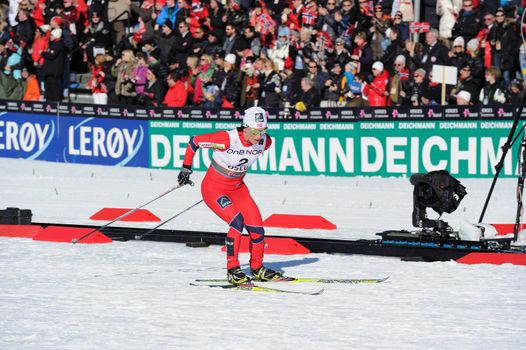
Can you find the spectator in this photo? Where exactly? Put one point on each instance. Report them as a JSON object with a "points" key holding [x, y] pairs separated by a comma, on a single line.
{"points": [[463, 98], [309, 97], [447, 10], [465, 82], [253, 42], [398, 82], [474, 60], [139, 73], [281, 49], [432, 92], [53, 67], [336, 87], [147, 14], [227, 79], [394, 48], [26, 26], [199, 41], [217, 19], [232, 43], [504, 45], [205, 71], [318, 76], [166, 42], [168, 13], [403, 27], [515, 93], [97, 85], [468, 22], [457, 56], [123, 71], [492, 93], [416, 87], [32, 90], [97, 34], [380, 25], [177, 93], [434, 52], [362, 53], [269, 84], [118, 12], [153, 91], [249, 81], [376, 91], [182, 47], [40, 44], [340, 55]]}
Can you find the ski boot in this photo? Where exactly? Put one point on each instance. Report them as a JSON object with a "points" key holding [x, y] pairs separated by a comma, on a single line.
{"points": [[236, 276], [264, 274]]}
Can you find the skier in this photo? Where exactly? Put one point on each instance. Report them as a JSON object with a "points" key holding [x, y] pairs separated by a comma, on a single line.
{"points": [[227, 195]]}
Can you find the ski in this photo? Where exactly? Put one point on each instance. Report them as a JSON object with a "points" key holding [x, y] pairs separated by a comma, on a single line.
{"points": [[309, 280], [256, 288]]}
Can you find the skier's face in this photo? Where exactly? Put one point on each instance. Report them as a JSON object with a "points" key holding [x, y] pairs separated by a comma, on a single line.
{"points": [[253, 135]]}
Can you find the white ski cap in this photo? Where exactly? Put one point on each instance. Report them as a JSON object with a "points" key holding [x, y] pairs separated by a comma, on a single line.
{"points": [[255, 117]]}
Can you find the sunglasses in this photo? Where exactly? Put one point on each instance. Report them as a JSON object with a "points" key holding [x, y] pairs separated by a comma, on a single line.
{"points": [[255, 132]]}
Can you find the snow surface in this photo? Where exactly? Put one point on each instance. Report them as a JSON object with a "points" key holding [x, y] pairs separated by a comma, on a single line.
{"points": [[135, 295]]}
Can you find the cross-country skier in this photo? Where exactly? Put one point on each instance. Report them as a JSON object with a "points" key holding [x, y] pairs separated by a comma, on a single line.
{"points": [[225, 192]]}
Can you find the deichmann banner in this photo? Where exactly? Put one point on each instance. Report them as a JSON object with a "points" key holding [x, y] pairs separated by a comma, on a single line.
{"points": [[468, 148]]}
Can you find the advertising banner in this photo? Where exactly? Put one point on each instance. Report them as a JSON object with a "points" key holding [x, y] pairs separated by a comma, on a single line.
{"points": [[468, 148], [106, 141], [28, 136]]}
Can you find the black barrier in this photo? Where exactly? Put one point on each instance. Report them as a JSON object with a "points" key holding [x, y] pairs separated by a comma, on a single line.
{"points": [[504, 111]]}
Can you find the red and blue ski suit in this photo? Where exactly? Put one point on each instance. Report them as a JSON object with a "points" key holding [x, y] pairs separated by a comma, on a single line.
{"points": [[225, 192]]}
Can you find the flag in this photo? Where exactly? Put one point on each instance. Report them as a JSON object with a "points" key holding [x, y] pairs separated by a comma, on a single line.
{"points": [[309, 17]]}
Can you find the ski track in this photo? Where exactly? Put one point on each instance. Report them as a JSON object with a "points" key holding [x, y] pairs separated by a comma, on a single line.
{"points": [[135, 295]]}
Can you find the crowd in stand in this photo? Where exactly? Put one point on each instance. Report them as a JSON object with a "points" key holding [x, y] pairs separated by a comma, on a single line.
{"points": [[239, 53]]}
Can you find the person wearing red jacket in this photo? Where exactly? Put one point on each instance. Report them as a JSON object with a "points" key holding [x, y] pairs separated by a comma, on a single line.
{"points": [[227, 195], [376, 91], [177, 93]]}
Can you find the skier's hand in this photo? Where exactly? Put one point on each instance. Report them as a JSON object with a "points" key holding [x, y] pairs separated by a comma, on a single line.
{"points": [[184, 177]]}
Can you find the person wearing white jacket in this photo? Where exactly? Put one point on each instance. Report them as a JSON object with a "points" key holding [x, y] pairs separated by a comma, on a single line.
{"points": [[448, 11], [492, 92]]}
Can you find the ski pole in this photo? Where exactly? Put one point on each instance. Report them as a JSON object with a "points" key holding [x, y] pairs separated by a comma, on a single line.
{"points": [[139, 237], [76, 240]]}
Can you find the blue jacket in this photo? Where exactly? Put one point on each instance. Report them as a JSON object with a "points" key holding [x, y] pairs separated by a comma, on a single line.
{"points": [[165, 15]]}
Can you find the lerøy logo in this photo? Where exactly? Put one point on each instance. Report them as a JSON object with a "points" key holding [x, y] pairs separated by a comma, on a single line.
{"points": [[107, 142], [26, 136], [223, 202]]}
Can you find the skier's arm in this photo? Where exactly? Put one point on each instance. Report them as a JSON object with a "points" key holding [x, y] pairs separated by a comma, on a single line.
{"points": [[218, 140]]}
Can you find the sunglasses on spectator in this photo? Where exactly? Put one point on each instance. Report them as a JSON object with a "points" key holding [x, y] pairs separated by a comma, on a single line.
{"points": [[255, 132], [417, 76], [499, 15], [313, 66]]}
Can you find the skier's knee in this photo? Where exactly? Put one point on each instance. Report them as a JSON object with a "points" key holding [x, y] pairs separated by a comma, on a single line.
{"points": [[257, 233], [237, 223]]}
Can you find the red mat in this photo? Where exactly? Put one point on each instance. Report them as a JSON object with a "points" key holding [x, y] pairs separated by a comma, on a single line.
{"points": [[21, 231], [68, 234], [504, 229], [494, 258], [298, 221], [140, 215], [275, 245]]}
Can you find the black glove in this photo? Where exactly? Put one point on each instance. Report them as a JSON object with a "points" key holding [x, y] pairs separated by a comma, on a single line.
{"points": [[184, 177]]}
